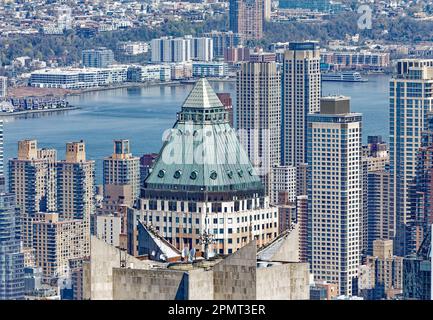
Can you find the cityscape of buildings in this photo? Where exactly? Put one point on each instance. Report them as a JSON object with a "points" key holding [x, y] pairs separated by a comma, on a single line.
{"points": [[268, 194]]}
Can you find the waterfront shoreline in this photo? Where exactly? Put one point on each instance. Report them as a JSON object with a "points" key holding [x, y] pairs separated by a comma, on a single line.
{"points": [[21, 113], [141, 85], [122, 86]]}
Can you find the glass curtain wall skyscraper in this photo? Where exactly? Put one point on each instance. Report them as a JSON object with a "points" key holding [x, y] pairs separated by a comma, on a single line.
{"points": [[11, 256]]}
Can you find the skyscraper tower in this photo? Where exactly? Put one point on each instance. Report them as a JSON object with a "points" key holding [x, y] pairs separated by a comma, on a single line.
{"points": [[76, 187], [258, 116], [246, 18], [334, 192], [11, 256], [301, 96], [32, 179], [421, 191], [203, 180], [121, 168], [410, 100]]}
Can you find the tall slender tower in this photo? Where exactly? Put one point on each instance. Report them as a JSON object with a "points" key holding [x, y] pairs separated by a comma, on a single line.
{"points": [[335, 192], [421, 191], [301, 96], [246, 18], [32, 179], [76, 187], [11, 256], [121, 168], [258, 116], [410, 100]]}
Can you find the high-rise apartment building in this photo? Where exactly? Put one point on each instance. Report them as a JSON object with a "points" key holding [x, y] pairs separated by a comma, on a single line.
{"points": [[258, 116], [56, 241], [168, 49], [3, 87], [11, 256], [421, 191], [202, 49], [203, 183], [121, 168], [301, 90], [417, 272], [187, 48], [377, 222], [335, 192], [381, 276], [32, 179], [222, 40], [246, 18], [76, 188], [97, 58], [410, 99], [283, 179]]}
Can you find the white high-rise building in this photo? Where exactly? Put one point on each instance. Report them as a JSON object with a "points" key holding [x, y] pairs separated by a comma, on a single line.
{"points": [[335, 192], [3, 87], [283, 180], [169, 49], [202, 49], [258, 116], [301, 96], [410, 99]]}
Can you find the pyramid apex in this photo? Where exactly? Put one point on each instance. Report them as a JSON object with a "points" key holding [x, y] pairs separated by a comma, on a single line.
{"points": [[202, 96]]}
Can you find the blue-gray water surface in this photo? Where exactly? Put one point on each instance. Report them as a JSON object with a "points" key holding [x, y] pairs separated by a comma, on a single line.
{"points": [[142, 114]]}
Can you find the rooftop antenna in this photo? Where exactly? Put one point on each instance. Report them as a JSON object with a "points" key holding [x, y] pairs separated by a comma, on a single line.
{"points": [[206, 238], [122, 257]]}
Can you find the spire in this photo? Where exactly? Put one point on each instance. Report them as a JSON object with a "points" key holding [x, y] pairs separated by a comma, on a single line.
{"points": [[202, 96]]}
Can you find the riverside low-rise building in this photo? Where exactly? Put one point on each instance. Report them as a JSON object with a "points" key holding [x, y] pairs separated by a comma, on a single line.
{"points": [[78, 78]]}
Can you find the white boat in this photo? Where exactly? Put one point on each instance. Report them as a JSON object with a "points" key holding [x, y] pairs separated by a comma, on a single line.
{"points": [[343, 77]]}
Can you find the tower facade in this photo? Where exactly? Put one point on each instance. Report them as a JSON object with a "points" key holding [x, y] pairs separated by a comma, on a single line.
{"points": [[301, 96], [32, 179], [335, 192], [11, 257], [97, 58], [421, 191], [258, 116], [76, 188], [121, 168], [410, 100], [246, 18]]}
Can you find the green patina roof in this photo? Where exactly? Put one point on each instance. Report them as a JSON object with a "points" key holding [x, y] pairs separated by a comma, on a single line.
{"points": [[202, 151]]}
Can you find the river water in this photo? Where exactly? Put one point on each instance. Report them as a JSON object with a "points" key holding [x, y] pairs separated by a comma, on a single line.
{"points": [[142, 114]]}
